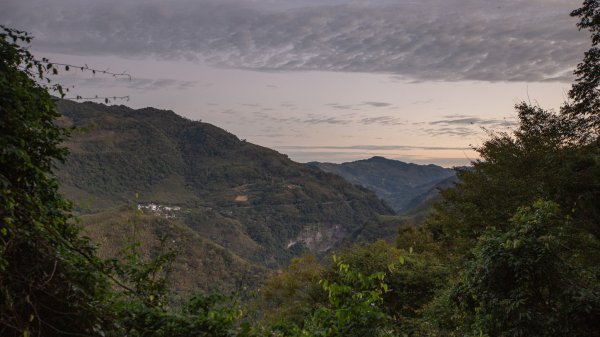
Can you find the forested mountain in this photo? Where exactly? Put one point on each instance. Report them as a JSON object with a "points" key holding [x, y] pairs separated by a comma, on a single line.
{"points": [[403, 186], [254, 207]]}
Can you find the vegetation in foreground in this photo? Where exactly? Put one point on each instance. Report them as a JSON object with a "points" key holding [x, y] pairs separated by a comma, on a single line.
{"points": [[512, 250]]}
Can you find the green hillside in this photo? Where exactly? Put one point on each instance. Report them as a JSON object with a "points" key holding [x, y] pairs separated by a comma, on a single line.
{"points": [[404, 186], [253, 202], [199, 263]]}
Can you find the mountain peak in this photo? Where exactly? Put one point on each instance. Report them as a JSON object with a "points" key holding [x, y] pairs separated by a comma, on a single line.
{"points": [[379, 159], [397, 182]]}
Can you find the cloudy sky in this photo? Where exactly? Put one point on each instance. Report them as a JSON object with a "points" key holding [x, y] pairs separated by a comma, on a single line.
{"points": [[328, 80]]}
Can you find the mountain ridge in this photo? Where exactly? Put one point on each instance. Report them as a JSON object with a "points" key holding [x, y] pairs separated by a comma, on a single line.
{"points": [[250, 200], [402, 185]]}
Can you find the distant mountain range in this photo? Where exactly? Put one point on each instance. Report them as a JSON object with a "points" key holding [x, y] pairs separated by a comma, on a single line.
{"points": [[229, 207], [405, 187]]}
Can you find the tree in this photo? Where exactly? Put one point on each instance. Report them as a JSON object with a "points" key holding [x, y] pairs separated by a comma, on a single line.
{"points": [[541, 159], [413, 276], [51, 283], [585, 105], [354, 308], [290, 294], [534, 270], [521, 282]]}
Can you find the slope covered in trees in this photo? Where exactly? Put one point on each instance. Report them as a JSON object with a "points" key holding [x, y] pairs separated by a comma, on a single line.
{"points": [[48, 274], [257, 205], [402, 185]]}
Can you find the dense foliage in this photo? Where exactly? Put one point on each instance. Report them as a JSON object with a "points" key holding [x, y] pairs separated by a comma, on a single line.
{"points": [[381, 287], [48, 274], [522, 282], [51, 281], [585, 104]]}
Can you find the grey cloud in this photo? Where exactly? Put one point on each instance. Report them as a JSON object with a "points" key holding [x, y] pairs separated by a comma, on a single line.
{"points": [[373, 147], [378, 104], [456, 116], [344, 119], [382, 120], [133, 83], [470, 120], [287, 105], [327, 120], [340, 106], [466, 120], [451, 131], [358, 106], [450, 40], [155, 84]]}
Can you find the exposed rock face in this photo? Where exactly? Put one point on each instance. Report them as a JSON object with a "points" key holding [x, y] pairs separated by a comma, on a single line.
{"points": [[319, 239]]}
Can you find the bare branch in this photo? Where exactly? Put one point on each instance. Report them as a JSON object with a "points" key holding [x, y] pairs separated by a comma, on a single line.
{"points": [[106, 99], [85, 67]]}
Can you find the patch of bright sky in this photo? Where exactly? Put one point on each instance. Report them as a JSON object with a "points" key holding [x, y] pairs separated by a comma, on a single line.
{"points": [[323, 116]]}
